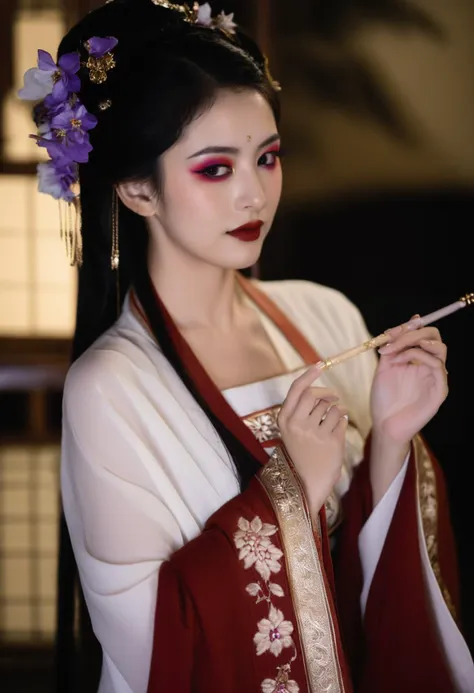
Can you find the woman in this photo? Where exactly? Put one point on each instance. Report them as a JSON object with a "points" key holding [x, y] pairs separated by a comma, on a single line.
{"points": [[202, 443]]}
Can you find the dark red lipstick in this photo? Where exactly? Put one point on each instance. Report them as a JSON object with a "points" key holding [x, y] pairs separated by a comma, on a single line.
{"points": [[248, 232]]}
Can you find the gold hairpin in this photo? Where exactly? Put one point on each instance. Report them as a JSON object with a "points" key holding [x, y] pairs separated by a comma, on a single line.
{"points": [[98, 67], [190, 14]]}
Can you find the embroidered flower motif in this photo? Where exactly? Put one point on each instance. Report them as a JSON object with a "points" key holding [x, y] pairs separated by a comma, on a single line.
{"points": [[256, 548], [274, 633], [280, 685], [264, 594], [264, 426]]}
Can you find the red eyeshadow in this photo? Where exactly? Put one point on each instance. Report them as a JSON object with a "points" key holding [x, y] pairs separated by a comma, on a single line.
{"points": [[209, 163]]}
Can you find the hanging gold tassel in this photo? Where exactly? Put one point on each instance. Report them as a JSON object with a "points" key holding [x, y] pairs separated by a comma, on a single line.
{"points": [[115, 251], [70, 230], [115, 254]]}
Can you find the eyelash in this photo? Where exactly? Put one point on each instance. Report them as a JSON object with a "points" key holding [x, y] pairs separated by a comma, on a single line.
{"points": [[206, 171]]}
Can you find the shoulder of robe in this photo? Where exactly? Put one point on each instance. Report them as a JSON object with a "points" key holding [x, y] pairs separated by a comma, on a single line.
{"points": [[114, 363], [304, 295]]}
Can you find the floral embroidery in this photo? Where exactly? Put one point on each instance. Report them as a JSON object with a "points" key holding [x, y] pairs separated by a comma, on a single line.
{"points": [[264, 426], [256, 550], [282, 683], [274, 633]]}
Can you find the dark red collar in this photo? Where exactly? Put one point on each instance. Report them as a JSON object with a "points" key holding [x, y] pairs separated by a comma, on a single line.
{"points": [[214, 398]]}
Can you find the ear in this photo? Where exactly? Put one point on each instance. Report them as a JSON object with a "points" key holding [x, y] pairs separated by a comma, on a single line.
{"points": [[139, 196]]}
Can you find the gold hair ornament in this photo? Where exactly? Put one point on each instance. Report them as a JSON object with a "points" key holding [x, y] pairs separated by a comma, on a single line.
{"points": [[101, 59], [202, 15], [70, 229]]}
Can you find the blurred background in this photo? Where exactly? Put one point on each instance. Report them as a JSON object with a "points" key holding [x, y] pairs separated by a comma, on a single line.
{"points": [[378, 119]]}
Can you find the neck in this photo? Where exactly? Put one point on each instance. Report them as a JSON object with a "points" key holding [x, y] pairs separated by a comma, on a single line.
{"points": [[197, 295]]}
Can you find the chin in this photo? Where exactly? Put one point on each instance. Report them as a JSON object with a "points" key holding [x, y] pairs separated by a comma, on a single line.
{"points": [[246, 259]]}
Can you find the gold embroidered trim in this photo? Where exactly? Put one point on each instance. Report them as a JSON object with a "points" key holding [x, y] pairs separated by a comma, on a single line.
{"points": [[304, 575], [428, 500]]}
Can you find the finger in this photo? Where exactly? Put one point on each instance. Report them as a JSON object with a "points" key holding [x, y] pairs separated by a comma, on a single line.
{"points": [[321, 410], [341, 427], [309, 399], [417, 356], [332, 417], [409, 339], [299, 386], [412, 324], [438, 349]]}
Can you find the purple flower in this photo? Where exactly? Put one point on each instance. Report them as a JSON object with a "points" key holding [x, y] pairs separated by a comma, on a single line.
{"points": [[68, 139], [97, 47], [57, 180], [74, 119], [64, 75], [63, 122], [66, 147], [51, 80]]}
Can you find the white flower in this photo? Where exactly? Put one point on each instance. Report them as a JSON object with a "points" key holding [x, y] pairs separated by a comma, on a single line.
{"points": [[204, 15], [38, 84], [274, 633], [226, 22], [272, 686], [256, 548]]}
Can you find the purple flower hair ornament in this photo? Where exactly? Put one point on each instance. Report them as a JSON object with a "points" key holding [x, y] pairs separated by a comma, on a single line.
{"points": [[63, 122]]}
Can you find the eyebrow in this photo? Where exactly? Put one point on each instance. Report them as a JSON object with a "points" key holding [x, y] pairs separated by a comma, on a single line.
{"points": [[233, 150]]}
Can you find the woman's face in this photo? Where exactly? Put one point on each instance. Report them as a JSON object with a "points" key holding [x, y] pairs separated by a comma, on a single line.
{"points": [[222, 174]]}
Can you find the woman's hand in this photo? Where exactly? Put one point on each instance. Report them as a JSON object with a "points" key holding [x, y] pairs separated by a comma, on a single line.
{"points": [[313, 428], [410, 384]]}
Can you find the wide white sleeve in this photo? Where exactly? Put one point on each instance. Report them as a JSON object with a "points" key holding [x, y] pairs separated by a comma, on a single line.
{"points": [[113, 492]]}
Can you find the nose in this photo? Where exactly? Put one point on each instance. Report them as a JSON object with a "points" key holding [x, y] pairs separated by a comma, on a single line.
{"points": [[251, 193]]}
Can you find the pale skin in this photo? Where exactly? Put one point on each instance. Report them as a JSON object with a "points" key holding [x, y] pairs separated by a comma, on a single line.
{"points": [[192, 264]]}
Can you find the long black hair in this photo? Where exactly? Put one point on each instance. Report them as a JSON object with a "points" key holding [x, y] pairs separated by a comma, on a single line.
{"points": [[167, 72]]}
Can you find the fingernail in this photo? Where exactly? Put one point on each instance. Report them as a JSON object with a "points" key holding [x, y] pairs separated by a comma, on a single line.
{"points": [[394, 331], [414, 323], [386, 349]]}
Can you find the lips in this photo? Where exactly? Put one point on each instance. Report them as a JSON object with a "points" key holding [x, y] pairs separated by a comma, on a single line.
{"points": [[248, 232]]}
